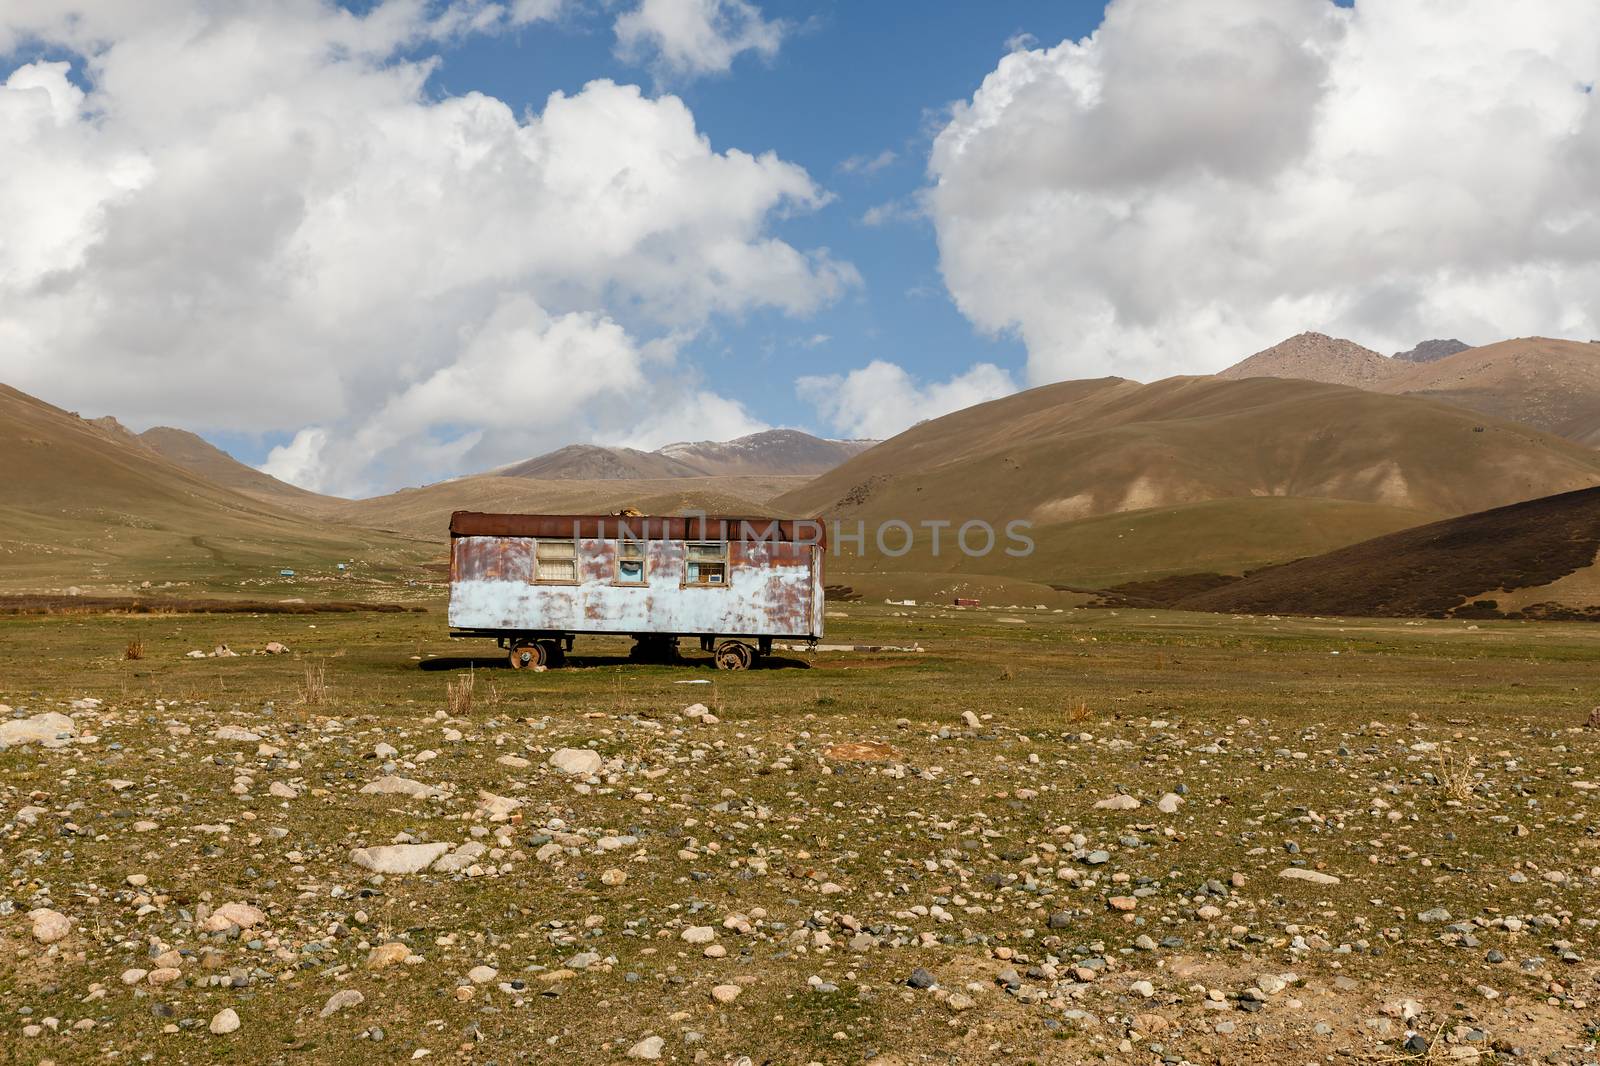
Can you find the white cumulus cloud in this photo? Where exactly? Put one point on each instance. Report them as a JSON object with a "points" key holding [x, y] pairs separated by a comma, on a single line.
{"points": [[1201, 178], [258, 218], [881, 399], [695, 37]]}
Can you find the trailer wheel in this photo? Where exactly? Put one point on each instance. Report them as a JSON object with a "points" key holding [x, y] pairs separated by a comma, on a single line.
{"points": [[552, 655], [734, 655], [526, 654]]}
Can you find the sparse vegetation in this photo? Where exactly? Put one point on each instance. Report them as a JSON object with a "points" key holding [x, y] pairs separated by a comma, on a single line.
{"points": [[818, 801], [314, 687], [134, 650], [458, 694]]}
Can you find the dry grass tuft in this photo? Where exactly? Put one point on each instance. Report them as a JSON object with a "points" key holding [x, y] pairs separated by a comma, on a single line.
{"points": [[134, 650], [1079, 712], [1456, 776], [314, 691], [458, 694]]}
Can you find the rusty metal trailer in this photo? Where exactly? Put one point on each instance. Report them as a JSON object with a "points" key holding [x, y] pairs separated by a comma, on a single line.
{"points": [[536, 582]]}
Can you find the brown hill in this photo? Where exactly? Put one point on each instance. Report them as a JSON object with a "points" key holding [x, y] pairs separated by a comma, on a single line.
{"points": [[81, 505], [1317, 357], [1531, 559], [197, 455], [1553, 385], [1065, 456], [425, 512], [771, 452]]}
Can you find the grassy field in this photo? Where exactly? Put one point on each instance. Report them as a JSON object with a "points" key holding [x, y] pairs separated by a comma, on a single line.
{"points": [[843, 823]]}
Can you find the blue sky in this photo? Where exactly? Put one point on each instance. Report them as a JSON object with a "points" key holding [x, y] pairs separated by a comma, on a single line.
{"points": [[851, 82]]}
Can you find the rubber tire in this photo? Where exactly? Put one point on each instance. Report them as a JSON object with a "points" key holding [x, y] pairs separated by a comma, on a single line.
{"points": [[554, 656]]}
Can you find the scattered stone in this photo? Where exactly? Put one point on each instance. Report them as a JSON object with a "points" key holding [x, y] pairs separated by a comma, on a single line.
{"points": [[49, 729], [390, 785], [49, 926], [345, 997], [224, 1021], [384, 956], [398, 858], [648, 1048], [579, 762], [1316, 877]]}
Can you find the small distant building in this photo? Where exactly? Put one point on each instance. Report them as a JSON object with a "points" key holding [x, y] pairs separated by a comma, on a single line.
{"points": [[286, 573]]}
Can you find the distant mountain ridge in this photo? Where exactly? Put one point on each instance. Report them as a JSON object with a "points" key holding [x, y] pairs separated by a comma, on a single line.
{"points": [[1432, 351], [773, 452], [1549, 384]]}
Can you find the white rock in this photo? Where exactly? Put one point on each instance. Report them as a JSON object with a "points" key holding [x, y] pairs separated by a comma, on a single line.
{"points": [[971, 720], [648, 1048], [1316, 877], [725, 993], [398, 858], [230, 914], [577, 761], [235, 734], [224, 1021], [1169, 803], [482, 975], [390, 785], [1119, 802], [384, 750], [50, 729], [345, 997], [48, 925], [698, 934], [283, 791], [498, 808], [461, 858]]}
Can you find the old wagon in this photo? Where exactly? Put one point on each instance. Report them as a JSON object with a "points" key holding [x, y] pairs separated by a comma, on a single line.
{"points": [[535, 582]]}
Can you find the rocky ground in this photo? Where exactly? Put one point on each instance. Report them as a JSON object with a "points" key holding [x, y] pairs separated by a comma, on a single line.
{"points": [[1054, 837]]}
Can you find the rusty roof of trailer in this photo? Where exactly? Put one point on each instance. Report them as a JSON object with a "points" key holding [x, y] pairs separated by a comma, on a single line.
{"points": [[638, 527]]}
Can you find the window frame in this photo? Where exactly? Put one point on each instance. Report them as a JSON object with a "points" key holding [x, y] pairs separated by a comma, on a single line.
{"points": [[536, 579], [623, 544], [727, 567]]}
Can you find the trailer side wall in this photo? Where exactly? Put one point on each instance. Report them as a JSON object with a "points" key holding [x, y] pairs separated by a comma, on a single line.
{"points": [[774, 588]]}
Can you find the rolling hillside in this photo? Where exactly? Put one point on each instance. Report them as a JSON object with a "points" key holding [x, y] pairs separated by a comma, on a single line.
{"points": [[81, 505], [1328, 464], [425, 512], [198, 456], [1535, 559], [1553, 385]]}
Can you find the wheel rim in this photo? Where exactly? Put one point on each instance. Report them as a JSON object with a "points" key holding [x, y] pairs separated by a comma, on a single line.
{"points": [[733, 656], [526, 656]]}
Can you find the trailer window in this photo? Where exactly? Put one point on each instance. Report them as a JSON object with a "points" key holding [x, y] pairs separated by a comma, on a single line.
{"points": [[556, 562], [707, 564], [630, 562]]}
